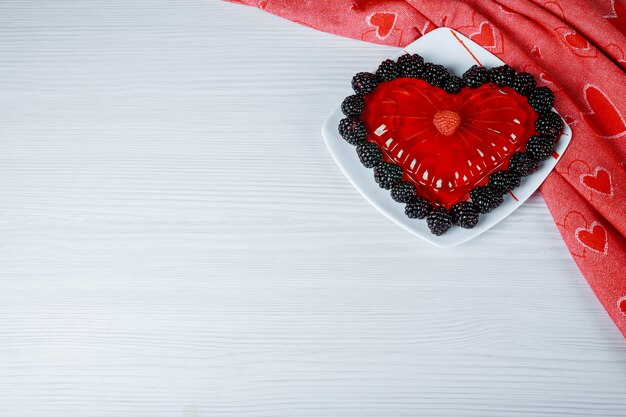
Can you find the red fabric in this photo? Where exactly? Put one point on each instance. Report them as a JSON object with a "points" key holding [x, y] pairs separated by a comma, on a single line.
{"points": [[575, 47]]}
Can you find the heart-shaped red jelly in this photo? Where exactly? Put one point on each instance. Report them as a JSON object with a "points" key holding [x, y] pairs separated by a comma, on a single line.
{"points": [[447, 144]]}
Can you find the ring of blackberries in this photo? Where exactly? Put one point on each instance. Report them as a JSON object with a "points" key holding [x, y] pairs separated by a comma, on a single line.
{"points": [[483, 199]]}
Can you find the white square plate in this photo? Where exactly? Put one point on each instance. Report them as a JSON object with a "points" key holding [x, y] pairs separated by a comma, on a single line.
{"points": [[456, 52]]}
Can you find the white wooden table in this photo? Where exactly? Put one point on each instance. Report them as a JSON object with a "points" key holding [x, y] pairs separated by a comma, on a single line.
{"points": [[175, 240]]}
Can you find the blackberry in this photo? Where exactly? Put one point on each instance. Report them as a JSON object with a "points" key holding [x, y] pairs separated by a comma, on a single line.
{"points": [[369, 154], [454, 85], [418, 208], [485, 199], [411, 65], [353, 106], [387, 70], [475, 76], [504, 181], [539, 147], [387, 175], [502, 75], [352, 130], [523, 82], [523, 164], [403, 192], [364, 83], [439, 221], [549, 124], [464, 214], [541, 99], [436, 75]]}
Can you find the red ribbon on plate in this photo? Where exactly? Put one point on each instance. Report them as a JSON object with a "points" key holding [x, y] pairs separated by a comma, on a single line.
{"points": [[575, 47]]}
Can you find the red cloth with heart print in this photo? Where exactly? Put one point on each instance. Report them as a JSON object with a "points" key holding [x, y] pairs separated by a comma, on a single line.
{"points": [[575, 47]]}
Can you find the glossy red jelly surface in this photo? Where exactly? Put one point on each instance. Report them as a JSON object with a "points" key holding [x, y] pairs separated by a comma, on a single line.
{"points": [[447, 144]]}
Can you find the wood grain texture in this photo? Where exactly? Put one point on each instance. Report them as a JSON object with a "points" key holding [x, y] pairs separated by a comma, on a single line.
{"points": [[175, 240]]}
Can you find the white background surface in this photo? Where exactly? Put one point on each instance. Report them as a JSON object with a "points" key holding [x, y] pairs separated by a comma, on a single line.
{"points": [[175, 240]]}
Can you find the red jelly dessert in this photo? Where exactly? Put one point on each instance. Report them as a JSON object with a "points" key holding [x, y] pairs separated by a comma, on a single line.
{"points": [[447, 144], [449, 147]]}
